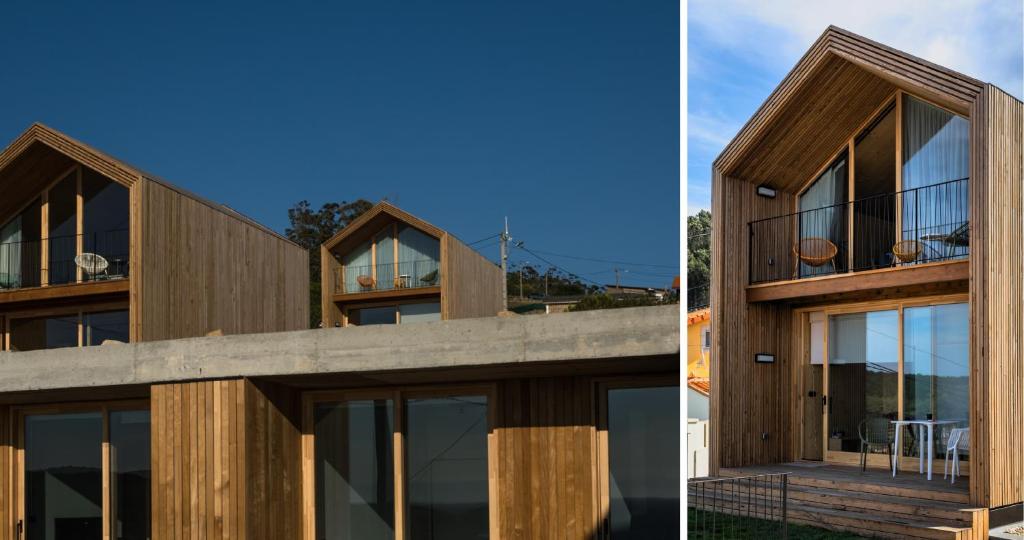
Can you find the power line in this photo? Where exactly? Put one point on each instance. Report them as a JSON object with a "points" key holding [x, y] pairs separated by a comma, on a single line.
{"points": [[604, 260], [549, 263], [482, 239]]}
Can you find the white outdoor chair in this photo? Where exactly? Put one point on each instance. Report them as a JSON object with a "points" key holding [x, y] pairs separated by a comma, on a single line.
{"points": [[959, 441], [92, 264]]}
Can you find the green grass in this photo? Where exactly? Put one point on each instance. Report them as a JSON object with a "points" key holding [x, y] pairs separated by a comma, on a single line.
{"points": [[727, 526]]}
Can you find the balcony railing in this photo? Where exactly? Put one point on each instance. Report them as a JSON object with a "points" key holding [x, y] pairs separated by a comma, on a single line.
{"points": [[60, 260], [386, 277], [919, 225]]}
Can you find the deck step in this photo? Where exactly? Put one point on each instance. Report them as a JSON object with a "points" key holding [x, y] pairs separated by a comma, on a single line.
{"points": [[858, 522], [941, 493]]}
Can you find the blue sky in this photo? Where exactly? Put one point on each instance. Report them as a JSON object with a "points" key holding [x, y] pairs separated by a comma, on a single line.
{"points": [[739, 51], [564, 116]]}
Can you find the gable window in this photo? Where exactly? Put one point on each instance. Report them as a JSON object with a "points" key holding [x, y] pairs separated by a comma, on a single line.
{"points": [[396, 257], [823, 218]]}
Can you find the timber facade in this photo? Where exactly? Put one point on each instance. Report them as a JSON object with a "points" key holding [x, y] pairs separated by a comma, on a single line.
{"points": [[93, 250], [390, 267], [560, 426], [867, 242]]}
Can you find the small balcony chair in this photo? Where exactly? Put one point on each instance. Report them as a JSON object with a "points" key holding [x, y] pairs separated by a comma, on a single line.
{"points": [[874, 432], [959, 442], [814, 252]]}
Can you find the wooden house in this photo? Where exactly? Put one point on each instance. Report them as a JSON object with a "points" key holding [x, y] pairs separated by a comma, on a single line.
{"points": [[867, 265], [390, 267], [94, 250]]}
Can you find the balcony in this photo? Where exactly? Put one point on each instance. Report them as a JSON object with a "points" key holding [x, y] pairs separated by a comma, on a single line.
{"points": [[60, 260], [894, 230], [399, 276]]}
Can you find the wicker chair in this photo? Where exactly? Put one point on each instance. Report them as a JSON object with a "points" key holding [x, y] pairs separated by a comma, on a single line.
{"points": [[814, 252], [366, 282], [907, 250], [874, 431]]}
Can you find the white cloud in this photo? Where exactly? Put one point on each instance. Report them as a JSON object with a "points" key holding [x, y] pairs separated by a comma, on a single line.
{"points": [[983, 39]]}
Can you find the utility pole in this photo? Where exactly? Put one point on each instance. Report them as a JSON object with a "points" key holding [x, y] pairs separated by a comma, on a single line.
{"points": [[520, 281], [546, 283], [617, 279], [504, 266]]}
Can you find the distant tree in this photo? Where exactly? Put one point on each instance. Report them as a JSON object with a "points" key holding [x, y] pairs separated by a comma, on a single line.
{"points": [[698, 260], [310, 228], [607, 301], [558, 283]]}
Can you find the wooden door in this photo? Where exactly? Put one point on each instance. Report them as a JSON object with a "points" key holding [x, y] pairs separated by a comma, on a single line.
{"points": [[813, 388]]}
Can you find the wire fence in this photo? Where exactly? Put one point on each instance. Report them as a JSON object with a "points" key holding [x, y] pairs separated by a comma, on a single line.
{"points": [[743, 507]]}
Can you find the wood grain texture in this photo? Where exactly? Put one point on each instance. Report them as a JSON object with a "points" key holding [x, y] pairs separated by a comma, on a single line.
{"points": [[470, 284], [546, 468], [225, 460], [740, 411], [6, 472], [204, 270], [997, 299]]}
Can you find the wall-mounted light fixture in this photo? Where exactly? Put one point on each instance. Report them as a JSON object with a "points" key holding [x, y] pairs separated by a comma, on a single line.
{"points": [[764, 358], [766, 191]]}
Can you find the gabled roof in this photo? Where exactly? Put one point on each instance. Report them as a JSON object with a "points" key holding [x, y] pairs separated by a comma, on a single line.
{"points": [[41, 144], [842, 78], [382, 208]]}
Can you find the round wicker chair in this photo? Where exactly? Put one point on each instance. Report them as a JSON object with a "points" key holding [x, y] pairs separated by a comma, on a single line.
{"points": [[814, 252], [366, 282], [907, 250]]}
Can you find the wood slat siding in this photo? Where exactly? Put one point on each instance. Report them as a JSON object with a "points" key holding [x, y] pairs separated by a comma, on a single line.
{"points": [[226, 461], [742, 411], [546, 458], [470, 284], [996, 299], [841, 78], [6, 470], [204, 270]]}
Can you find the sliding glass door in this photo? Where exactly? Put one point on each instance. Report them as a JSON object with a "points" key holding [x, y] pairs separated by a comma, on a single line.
{"points": [[899, 360], [84, 473]]}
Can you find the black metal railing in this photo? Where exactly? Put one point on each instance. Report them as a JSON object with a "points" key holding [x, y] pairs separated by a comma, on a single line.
{"points": [[914, 226], [743, 507], [698, 296], [385, 277], [64, 259]]}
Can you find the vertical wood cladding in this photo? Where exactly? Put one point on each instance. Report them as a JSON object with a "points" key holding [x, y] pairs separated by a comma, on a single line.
{"points": [[546, 464], [997, 299], [225, 460], [205, 270], [470, 284], [6, 469], [742, 410]]}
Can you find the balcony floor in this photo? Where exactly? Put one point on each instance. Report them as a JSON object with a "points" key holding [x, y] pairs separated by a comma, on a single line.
{"points": [[932, 278]]}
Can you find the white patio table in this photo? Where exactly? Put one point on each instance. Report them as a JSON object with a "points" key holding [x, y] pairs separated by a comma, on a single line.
{"points": [[921, 428]]}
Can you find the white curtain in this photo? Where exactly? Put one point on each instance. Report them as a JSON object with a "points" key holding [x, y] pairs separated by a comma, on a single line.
{"points": [[819, 217], [357, 263], [418, 256], [385, 260], [936, 147], [10, 254]]}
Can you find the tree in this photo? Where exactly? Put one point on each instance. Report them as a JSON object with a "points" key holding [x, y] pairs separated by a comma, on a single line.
{"points": [[558, 283], [310, 228], [607, 301], [698, 260]]}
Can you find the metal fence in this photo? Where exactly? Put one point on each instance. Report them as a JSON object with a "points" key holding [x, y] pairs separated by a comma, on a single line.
{"points": [[924, 224], [386, 277], [742, 507], [92, 256]]}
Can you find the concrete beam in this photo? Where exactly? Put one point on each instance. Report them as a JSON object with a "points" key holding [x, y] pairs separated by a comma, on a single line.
{"points": [[605, 334]]}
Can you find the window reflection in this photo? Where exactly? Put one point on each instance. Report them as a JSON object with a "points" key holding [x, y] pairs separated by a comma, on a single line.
{"points": [[936, 362], [446, 468], [129, 474], [354, 470], [63, 476], [643, 462]]}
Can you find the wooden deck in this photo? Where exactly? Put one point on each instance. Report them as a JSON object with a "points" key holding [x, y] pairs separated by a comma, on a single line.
{"points": [[871, 503]]}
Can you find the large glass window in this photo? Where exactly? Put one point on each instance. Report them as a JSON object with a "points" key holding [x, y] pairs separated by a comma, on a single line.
{"points": [[418, 256], [823, 221], [62, 218], [130, 475], [643, 462], [354, 470], [874, 219], [30, 334], [863, 376], [64, 471], [446, 467], [936, 362], [425, 312], [104, 226], [936, 154], [64, 476], [105, 326], [20, 248]]}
